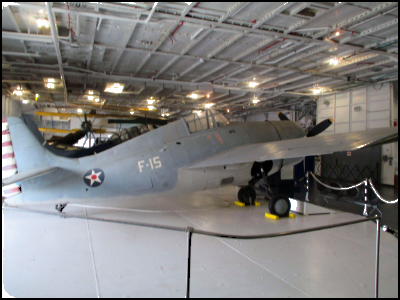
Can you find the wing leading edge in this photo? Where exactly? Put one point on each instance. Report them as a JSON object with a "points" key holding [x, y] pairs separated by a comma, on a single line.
{"points": [[317, 145]]}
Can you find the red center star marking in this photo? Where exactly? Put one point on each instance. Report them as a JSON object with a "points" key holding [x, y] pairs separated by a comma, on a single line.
{"points": [[93, 177]]}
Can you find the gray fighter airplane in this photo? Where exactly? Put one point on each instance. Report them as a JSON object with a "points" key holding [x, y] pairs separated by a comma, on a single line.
{"points": [[197, 152]]}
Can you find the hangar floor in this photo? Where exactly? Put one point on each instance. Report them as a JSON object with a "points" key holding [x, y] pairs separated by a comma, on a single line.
{"points": [[50, 256]]}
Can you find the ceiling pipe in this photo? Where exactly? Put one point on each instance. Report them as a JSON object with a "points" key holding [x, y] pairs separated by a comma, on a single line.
{"points": [[151, 13], [290, 54], [57, 46], [20, 54]]}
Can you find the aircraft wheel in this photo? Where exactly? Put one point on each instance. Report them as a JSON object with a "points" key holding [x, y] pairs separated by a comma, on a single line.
{"points": [[279, 205], [247, 195]]}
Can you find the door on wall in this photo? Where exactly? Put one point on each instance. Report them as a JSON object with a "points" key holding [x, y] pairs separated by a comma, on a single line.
{"points": [[387, 171]]}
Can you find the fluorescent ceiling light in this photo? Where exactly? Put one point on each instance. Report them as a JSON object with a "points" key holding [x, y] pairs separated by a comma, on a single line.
{"points": [[167, 115], [79, 110], [43, 22], [150, 101], [114, 88], [90, 97], [90, 92], [253, 84], [333, 61], [25, 101], [50, 85], [317, 91], [97, 100], [193, 96], [255, 101], [18, 93], [208, 105], [132, 112], [150, 107], [50, 80]]}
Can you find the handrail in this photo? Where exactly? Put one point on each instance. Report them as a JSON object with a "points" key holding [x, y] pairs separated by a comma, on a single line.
{"points": [[191, 230]]}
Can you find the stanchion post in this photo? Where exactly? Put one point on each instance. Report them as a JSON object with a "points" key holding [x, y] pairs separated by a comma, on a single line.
{"points": [[377, 255], [365, 212], [308, 185], [189, 236]]}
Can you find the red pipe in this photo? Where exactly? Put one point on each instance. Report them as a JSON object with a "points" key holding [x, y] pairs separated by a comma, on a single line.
{"points": [[271, 45], [174, 32]]}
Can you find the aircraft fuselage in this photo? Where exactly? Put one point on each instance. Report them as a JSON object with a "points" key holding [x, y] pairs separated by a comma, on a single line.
{"points": [[155, 162]]}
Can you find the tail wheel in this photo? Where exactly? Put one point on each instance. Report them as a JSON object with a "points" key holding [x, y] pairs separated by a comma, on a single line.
{"points": [[279, 205], [247, 195]]}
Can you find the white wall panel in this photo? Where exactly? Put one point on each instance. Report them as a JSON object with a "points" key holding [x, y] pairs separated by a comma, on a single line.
{"points": [[341, 115], [379, 105], [343, 127], [379, 115], [357, 126], [359, 95], [378, 124], [343, 99]]}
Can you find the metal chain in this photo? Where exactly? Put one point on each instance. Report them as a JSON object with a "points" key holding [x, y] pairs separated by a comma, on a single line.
{"points": [[336, 188], [379, 196]]}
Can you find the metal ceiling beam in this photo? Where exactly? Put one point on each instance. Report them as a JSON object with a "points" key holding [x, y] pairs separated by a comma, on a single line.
{"points": [[236, 7], [15, 23], [357, 18], [370, 30], [57, 47], [211, 72], [272, 14], [305, 22], [124, 43], [92, 41], [394, 68], [386, 61], [163, 38], [344, 63]]}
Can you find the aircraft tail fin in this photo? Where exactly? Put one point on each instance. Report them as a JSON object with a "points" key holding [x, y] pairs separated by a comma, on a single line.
{"points": [[27, 143]]}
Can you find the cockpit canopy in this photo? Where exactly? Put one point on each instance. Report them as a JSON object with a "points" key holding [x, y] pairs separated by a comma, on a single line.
{"points": [[204, 120], [129, 133]]}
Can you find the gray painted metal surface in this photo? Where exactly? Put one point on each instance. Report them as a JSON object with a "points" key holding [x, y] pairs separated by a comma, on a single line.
{"points": [[170, 159]]}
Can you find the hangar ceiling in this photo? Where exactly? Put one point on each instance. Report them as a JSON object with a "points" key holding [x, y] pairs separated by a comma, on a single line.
{"points": [[185, 55]]}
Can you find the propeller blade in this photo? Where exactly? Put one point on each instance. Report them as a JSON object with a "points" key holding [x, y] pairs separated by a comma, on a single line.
{"points": [[320, 127], [282, 117]]}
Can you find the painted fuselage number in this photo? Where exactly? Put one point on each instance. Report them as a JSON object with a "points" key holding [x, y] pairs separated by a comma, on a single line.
{"points": [[154, 163]]}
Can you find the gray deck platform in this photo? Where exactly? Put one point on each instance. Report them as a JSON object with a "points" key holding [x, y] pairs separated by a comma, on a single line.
{"points": [[50, 256]]}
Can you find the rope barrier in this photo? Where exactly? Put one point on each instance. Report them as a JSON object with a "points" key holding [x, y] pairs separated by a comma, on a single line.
{"points": [[335, 188], [356, 185], [379, 196]]}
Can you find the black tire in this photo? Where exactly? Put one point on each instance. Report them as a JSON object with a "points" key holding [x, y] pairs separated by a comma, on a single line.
{"points": [[352, 193], [247, 195], [336, 192], [279, 205], [321, 187]]}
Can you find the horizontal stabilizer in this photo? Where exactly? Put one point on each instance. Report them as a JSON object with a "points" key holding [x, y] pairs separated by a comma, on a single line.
{"points": [[28, 175]]}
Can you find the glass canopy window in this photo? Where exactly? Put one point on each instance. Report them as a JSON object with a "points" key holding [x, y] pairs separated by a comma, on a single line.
{"points": [[205, 120]]}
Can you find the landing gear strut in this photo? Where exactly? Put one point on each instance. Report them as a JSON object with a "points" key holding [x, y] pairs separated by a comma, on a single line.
{"points": [[61, 206]]}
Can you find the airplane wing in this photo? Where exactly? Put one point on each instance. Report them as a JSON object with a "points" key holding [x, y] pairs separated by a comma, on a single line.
{"points": [[28, 175], [316, 145]]}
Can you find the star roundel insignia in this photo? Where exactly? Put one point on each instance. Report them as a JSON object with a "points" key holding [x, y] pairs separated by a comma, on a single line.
{"points": [[94, 177]]}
